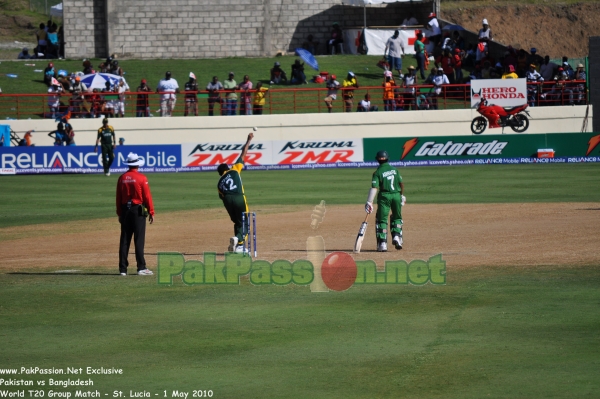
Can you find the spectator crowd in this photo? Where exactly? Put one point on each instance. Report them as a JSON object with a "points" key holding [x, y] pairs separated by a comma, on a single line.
{"points": [[548, 83]]}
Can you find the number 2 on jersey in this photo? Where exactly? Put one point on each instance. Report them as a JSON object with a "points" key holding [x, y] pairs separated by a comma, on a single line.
{"points": [[232, 186]]}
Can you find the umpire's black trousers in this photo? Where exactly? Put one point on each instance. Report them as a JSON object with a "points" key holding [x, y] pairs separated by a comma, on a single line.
{"points": [[133, 223]]}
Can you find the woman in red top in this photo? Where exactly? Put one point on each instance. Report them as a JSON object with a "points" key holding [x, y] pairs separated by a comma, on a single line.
{"points": [[134, 203]]}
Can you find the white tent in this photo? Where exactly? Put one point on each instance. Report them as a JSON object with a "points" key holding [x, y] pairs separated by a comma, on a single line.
{"points": [[57, 10], [365, 2]]}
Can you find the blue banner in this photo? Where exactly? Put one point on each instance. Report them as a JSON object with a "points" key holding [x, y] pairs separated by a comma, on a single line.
{"points": [[168, 159], [83, 159]]}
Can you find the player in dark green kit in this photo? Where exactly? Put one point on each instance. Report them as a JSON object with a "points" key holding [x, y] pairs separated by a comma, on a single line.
{"points": [[231, 191], [388, 182], [106, 136]]}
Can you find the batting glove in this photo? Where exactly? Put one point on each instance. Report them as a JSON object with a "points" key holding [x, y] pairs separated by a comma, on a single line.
{"points": [[403, 201], [369, 207]]}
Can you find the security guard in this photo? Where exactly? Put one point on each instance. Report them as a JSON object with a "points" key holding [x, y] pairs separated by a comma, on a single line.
{"points": [[106, 135], [134, 203], [231, 191]]}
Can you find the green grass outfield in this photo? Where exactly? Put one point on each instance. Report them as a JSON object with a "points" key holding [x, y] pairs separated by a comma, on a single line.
{"points": [[55, 198], [490, 332]]}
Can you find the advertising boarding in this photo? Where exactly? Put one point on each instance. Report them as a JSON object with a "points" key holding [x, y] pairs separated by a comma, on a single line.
{"points": [[503, 92]]}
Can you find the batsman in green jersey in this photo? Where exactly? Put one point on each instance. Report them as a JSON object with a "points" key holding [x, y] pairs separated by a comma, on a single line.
{"points": [[231, 191], [388, 182], [106, 136]]}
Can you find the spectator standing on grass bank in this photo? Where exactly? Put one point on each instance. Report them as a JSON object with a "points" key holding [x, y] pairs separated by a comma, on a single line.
{"points": [[134, 204], [245, 96], [510, 73], [394, 47], [142, 107], [49, 73], [259, 98], [420, 54], [332, 88], [191, 96], [485, 36], [41, 36], [214, 96], [535, 58], [106, 136], [167, 87], [388, 93], [349, 84], [121, 89], [229, 85], [547, 69], [580, 89], [434, 25], [54, 91], [335, 38]]}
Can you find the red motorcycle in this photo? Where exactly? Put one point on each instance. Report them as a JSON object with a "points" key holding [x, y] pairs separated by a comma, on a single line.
{"points": [[497, 116]]}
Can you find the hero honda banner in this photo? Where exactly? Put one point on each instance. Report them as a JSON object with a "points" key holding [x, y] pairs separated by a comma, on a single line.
{"points": [[279, 152], [503, 92], [83, 159]]}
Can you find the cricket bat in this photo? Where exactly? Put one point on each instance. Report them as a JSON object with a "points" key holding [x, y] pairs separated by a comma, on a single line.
{"points": [[361, 235]]}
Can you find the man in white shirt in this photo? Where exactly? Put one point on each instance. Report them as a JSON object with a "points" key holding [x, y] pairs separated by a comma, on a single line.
{"points": [[395, 45], [168, 87], [365, 105], [120, 106], [436, 32]]}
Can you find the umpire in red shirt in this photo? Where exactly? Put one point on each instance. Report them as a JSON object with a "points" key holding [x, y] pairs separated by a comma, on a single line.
{"points": [[134, 203]]}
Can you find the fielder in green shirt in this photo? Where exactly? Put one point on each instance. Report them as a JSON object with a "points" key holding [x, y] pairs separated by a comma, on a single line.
{"points": [[106, 136], [231, 192], [387, 184]]}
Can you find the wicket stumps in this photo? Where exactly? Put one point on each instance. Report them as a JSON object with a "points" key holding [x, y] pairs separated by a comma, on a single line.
{"points": [[247, 229]]}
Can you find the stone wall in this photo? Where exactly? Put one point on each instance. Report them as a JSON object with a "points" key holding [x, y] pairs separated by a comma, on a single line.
{"points": [[213, 28], [85, 28]]}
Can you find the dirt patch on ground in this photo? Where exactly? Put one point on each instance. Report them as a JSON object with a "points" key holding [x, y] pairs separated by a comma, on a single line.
{"points": [[554, 30], [466, 235]]}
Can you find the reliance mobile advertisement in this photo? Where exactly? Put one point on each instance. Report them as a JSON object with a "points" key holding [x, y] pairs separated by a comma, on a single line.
{"points": [[83, 159]]}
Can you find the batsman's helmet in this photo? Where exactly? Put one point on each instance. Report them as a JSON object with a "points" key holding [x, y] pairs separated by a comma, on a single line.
{"points": [[382, 156], [222, 168]]}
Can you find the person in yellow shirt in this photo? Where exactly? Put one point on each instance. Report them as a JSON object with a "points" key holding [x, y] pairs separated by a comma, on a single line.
{"points": [[388, 93], [349, 84], [511, 73], [259, 99]]}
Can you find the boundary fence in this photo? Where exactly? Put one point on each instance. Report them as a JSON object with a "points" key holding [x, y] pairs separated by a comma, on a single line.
{"points": [[278, 101]]}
